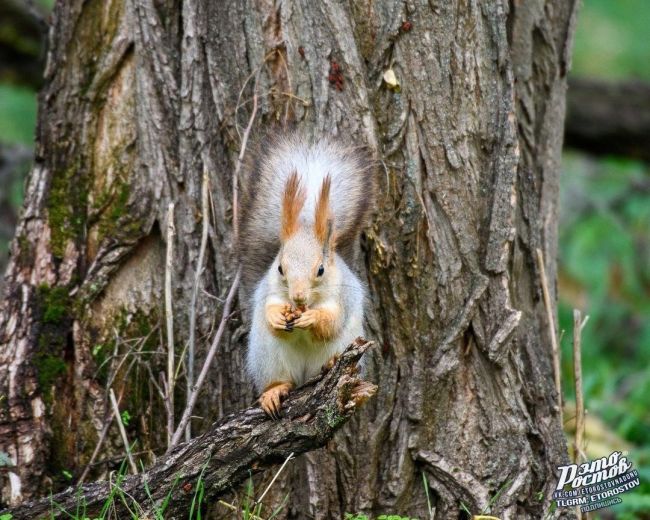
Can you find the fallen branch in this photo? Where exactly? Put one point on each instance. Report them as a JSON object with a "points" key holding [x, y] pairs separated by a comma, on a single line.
{"points": [[605, 118], [239, 443], [22, 45]]}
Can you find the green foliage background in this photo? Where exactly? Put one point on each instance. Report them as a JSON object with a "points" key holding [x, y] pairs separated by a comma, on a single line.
{"points": [[605, 251], [604, 241], [17, 114]]}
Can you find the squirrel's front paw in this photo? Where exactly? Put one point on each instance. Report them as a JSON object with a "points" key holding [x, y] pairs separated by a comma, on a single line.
{"points": [[307, 319], [271, 398], [275, 317]]}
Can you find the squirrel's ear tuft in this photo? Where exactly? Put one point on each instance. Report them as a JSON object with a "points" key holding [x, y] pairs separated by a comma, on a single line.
{"points": [[329, 243], [323, 219], [292, 202]]}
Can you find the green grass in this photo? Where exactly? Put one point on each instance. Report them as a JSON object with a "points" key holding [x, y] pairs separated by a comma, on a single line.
{"points": [[361, 516], [245, 507]]}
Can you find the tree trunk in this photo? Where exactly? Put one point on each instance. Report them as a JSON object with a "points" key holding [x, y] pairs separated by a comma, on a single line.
{"points": [[142, 97]]}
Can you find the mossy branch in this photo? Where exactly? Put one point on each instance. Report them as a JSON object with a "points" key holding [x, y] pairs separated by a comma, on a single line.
{"points": [[222, 457]]}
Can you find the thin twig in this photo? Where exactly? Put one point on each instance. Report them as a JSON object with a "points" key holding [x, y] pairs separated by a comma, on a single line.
{"points": [[98, 447], [192, 391], [170, 321], [578, 325], [107, 424], [163, 384], [153, 381], [274, 478], [240, 157], [116, 413], [551, 325], [187, 413], [205, 216], [100, 442]]}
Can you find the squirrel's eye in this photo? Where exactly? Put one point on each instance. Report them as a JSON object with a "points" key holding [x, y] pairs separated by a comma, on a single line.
{"points": [[280, 270], [321, 270]]}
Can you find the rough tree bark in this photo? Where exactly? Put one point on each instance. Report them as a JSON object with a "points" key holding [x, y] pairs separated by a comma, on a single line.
{"points": [[141, 97]]}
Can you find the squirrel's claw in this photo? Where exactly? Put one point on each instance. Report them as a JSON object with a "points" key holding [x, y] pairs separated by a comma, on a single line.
{"points": [[271, 398]]}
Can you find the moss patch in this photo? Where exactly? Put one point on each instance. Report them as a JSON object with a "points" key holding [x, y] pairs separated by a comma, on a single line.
{"points": [[55, 303], [116, 220], [332, 417], [49, 369], [66, 208], [54, 306]]}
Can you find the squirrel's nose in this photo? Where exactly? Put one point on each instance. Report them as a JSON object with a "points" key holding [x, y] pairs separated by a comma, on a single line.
{"points": [[299, 298]]}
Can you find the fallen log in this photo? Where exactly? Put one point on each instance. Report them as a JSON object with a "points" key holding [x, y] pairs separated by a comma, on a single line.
{"points": [[609, 118], [240, 443]]}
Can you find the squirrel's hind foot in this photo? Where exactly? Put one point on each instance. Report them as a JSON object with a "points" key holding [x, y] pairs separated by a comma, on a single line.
{"points": [[272, 397]]}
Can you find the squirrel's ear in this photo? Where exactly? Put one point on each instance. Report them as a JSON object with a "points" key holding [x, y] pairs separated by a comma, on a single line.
{"points": [[322, 219], [292, 202], [330, 242]]}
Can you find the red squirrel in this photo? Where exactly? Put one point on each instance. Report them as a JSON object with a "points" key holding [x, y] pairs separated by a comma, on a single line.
{"points": [[302, 215]]}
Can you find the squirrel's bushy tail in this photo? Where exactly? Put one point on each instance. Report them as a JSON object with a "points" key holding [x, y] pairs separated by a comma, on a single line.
{"points": [[352, 173]]}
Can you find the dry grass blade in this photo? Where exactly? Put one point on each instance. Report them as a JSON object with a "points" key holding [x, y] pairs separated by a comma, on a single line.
{"points": [[578, 325], [277, 474], [127, 447], [551, 325]]}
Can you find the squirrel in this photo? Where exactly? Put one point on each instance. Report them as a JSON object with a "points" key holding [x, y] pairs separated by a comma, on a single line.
{"points": [[302, 214]]}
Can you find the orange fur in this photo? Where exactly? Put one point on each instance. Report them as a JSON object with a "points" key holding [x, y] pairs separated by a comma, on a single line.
{"points": [[292, 202], [273, 384], [272, 313], [323, 219], [272, 396], [325, 327]]}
